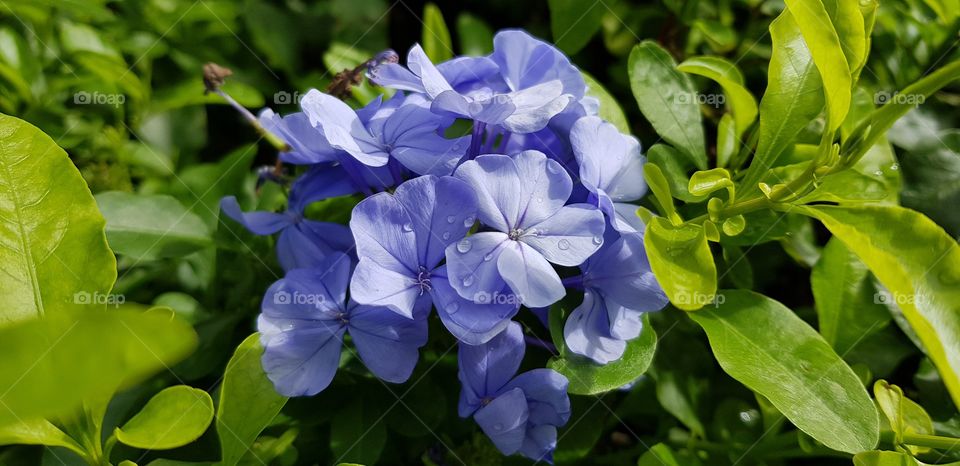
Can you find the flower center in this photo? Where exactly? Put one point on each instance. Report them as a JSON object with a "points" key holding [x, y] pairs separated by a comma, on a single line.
{"points": [[515, 234], [342, 318], [486, 400], [423, 280]]}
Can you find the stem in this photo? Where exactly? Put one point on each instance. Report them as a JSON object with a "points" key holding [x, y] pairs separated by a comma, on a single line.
{"points": [[476, 139], [273, 139], [931, 441]]}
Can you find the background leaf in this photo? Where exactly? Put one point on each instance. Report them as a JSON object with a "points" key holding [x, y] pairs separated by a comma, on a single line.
{"points": [[436, 37], [147, 227], [667, 99], [574, 22]]}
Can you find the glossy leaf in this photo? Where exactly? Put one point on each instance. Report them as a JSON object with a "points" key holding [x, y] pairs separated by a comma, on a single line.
{"points": [[827, 51], [706, 182], [742, 104], [436, 37], [248, 401], [588, 378], [52, 234], [765, 346], [147, 227], [41, 357], [667, 99], [662, 455], [920, 266], [794, 97], [609, 107], [680, 258], [574, 22], [174, 417], [847, 186]]}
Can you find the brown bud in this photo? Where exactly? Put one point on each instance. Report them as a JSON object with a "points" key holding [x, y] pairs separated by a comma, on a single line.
{"points": [[214, 76]]}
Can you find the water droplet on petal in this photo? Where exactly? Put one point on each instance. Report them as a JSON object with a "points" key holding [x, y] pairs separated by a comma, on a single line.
{"points": [[408, 227], [488, 257], [539, 200], [451, 218], [464, 245], [468, 280], [446, 235], [563, 245], [468, 222], [453, 307], [598, 240]]}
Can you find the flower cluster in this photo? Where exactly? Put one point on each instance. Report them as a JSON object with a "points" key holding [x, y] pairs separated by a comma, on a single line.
{"points": [[472, 226]]}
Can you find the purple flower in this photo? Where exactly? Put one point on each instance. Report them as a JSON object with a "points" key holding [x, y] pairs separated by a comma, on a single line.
{"points": [[521, 111], [618, 288], [302, 242], [401, 239], [411, 134], [522, 198], [304, 317], [611, 167], [520, 414]]}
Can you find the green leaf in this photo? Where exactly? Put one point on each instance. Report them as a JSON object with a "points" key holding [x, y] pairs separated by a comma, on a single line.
{"points": [[147, 227], [588, 378], [248, 401], [883, 458], [662, 455], [742, 104], [706, 182], [904, 415], [674, 167], [847, 307], [574, 22], [727, 140], [42, 357], [54, 244], [794, 97], [609, 107], [847, 186], [667, 99], [37, 432], [766, 347], [824, 44], [920, 266], [356, 434], [476, 38], [436, 37], [681, 260], [173, 418], [930, 177], [661, 191]]}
